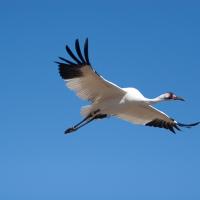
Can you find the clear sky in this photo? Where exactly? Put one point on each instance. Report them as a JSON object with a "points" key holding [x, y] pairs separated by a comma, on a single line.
{"points": [[151, 45]]}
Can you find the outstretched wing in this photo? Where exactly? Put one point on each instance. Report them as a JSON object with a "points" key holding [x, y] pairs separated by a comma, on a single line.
{"points": [[150, 116], [83, 79]]}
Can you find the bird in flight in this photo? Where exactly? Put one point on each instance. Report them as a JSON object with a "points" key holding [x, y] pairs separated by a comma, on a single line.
{"points": [[108, 99]]}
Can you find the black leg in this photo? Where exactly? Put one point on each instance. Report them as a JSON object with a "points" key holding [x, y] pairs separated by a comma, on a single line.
{"points": [[85, 119], [81, 124], [77, 126]]}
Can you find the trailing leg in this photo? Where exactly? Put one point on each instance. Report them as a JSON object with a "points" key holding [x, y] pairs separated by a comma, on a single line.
{"points": [[85, 121]]}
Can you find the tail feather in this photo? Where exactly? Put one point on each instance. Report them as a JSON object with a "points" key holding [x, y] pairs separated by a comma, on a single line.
{"points": [[86, 110]]}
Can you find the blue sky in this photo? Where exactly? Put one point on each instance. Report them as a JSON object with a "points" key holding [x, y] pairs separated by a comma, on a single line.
{"points": [[151, 45]]}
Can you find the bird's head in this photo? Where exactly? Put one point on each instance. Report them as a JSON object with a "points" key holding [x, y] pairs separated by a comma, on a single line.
{"points": [[171, 96]]}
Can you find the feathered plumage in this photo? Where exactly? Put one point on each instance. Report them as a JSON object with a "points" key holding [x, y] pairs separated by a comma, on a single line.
{"points": [[108, 99]]}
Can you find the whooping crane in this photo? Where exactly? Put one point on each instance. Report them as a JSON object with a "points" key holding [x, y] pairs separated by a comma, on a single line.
{"points": [[108, 99]]}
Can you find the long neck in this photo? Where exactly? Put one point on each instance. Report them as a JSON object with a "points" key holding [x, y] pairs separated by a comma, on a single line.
{"points": [[155, 100]]}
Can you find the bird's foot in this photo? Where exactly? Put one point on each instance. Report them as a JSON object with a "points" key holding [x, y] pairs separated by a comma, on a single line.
{"points": [[69, 130]]}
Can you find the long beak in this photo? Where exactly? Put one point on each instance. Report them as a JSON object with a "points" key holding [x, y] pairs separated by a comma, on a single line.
{"points": [[179, 98]]}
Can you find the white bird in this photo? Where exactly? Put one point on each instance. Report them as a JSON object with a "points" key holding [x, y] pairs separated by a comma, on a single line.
{"points": [[108, 99]]}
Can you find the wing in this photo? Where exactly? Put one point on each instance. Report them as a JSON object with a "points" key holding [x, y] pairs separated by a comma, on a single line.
{"points": [[150, 116], [83, 79]]}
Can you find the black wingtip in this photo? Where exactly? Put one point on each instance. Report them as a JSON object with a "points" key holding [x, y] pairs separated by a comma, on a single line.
{"points": [[177, 128], [72, 55], [172, 129], [67, 61], [86, 51], [78, 50], [163, 124], [79, 59], [188, 125]]}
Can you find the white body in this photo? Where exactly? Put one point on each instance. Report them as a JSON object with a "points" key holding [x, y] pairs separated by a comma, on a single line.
{"points": [[108, 99], [126, 103]]}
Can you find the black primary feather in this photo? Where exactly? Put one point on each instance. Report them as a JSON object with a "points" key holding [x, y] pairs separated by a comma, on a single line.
{"points": [[78, 50], [73, 56], [69, 71], [170, 125], [188, 125], [86, 51], [162, 124], [67, 61], [84, 60]]}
